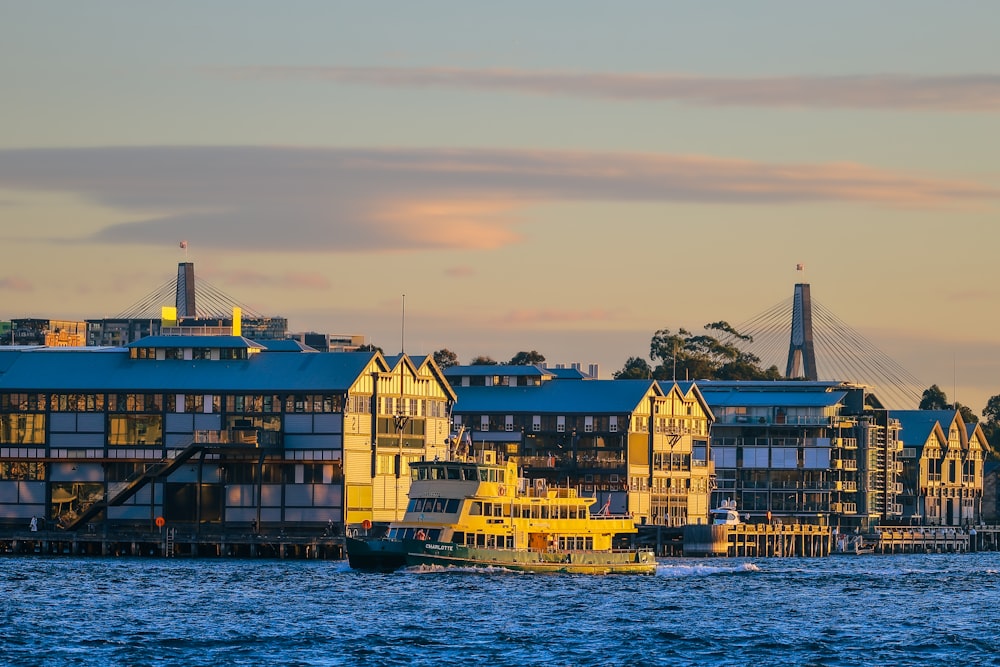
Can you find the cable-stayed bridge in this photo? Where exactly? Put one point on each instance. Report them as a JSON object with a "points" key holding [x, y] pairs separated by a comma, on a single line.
{"points": [[809, 341]]}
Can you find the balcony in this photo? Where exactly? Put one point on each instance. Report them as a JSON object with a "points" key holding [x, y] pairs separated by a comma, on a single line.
{"points": [[844, 508]]}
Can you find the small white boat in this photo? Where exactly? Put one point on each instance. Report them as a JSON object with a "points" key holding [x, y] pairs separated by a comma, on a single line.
{"points": [[851, 545], [725, 514]]}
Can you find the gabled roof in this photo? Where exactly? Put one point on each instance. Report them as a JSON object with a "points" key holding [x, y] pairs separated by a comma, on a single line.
{"points": [[916, 426], [51, 369], [593, 397], [422, 361], [689, 389]]}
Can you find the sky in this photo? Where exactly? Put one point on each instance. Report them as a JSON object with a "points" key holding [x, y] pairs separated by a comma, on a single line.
{"points": [[565, 177]]}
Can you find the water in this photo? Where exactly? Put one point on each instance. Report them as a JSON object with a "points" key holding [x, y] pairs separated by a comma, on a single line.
{"points": [[865, 610]]}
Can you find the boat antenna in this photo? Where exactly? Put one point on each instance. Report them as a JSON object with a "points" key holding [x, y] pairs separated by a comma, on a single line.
{"points": [[402, 327]]}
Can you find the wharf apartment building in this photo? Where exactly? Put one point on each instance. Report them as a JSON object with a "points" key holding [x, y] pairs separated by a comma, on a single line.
{"points": [[639, 446], [830, 453], [214, 430]]}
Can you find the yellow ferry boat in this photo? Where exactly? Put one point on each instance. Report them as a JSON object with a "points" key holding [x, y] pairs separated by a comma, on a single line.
{"points": [[480, 513]]}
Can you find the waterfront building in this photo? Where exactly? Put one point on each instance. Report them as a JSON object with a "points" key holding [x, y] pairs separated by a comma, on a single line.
{"points": [[215, 430], [942, 468], [324, 342], [38, 331], [804, 452], [638, 446]]}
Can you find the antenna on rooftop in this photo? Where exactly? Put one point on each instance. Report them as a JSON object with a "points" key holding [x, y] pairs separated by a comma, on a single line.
{"points": [[402, 328]]}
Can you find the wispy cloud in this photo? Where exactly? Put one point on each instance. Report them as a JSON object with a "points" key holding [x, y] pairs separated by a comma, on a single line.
{"points": [[948, 93], [460, 272], [347, 200], [16, 285]]}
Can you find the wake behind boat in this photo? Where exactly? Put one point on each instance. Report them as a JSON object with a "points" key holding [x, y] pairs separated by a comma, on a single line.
{"points": [[478, 512]]}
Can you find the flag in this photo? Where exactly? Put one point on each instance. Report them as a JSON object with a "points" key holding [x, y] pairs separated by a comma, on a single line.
{"points": [[184, 245], [800, 267]]}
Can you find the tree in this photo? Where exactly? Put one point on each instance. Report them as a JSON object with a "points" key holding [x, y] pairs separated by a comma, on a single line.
{"points": [[484, 360], [968, 416], [992, 411], [370, 348], [445, 358], [991, 429], [526, 359], [934, 398], [636, 368], [684, 355]]}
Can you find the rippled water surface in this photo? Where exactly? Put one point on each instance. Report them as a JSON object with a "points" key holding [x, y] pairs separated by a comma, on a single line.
{"points": [[865, 610]]}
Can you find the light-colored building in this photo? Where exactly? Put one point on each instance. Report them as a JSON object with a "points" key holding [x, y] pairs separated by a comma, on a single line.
{"points": [[804, 452], [636, 445], [227, 431], [942, 468]]}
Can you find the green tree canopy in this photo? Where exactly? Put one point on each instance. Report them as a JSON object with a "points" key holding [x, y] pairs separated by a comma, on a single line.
{"points": [[710, 356], [445, 358], [484, 360], [635, 368], [934, 398], [526, 359]]}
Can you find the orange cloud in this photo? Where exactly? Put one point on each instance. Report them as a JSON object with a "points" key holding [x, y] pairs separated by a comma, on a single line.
{"points": [[951, 93], [480, 224]]}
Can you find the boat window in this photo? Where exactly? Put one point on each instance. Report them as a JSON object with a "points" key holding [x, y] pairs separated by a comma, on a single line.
{"points": [[480, 540], [497, 509], [588, 543], [493, 475], [438, 505], [573, 512], [458, 537], [501, 476], [453, 473], [469, 474], [412, 505], [475, 508], [545, 512], [484, 475], [470, 539], [452, 506], [434, 534]]}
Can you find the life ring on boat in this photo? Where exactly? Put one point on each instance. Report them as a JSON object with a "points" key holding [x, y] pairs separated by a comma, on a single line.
{"points": [[421, 535], [502, 490], [366, 524]]}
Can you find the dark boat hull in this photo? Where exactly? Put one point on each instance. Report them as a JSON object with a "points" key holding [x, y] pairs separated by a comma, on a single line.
{"points": [[375, 554]]}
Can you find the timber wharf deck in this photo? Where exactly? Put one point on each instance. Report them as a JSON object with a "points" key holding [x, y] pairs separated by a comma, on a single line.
{"points": [[173, 543], [760, 540]]}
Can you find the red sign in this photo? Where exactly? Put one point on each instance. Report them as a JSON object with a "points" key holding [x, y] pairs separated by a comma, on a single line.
{"points": [[160, 522]]}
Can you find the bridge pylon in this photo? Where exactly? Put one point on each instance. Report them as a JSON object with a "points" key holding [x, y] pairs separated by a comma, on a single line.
{"points": [[801, 353]]}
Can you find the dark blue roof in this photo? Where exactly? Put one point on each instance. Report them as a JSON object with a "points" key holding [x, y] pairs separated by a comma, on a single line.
{"points": [[728, 395], [590, 397], [916, 426], [286, 345], [51, 369], [214, 342], [496, 369]]}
